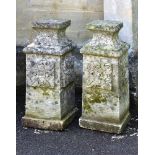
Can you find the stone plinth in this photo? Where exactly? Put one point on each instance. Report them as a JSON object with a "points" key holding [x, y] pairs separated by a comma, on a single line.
{"points": [[50, 92], [105, 103]]}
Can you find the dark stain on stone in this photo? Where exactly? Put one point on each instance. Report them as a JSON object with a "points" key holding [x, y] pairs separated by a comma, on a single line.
{"points": [[112, 108], [56, 102], [32, 63]]}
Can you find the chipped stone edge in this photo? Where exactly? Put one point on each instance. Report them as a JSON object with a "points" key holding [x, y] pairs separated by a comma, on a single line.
{"points": [[104, 126], [49, 124]]}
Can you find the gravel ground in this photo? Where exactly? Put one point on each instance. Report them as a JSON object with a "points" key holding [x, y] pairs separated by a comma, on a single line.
{"points": [[74, 140]]}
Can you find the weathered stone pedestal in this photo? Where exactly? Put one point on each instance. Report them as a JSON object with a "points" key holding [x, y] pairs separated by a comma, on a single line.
{"points": [[105, 103], [50, 92]]}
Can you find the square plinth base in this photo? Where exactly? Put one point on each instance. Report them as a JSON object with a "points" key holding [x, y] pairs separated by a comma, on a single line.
{"points": [[104, 126], [49, 124]]}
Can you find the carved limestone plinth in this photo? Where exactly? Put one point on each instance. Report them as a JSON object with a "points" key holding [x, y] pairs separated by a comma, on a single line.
{"points": [[50, 93], [105, 103]]}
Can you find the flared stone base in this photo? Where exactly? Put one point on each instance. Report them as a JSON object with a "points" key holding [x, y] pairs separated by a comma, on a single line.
{"points": [[49, 124], [104, 126]]}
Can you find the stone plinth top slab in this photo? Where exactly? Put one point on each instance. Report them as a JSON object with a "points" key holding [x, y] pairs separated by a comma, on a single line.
{"points": [[51, 38], [51, 24], [105, 25]]}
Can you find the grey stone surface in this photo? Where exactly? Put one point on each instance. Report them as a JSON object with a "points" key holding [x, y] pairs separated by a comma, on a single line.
{"points": [[51, 23], [105, 79], [50, 88], [78, 65], [73, 140]]}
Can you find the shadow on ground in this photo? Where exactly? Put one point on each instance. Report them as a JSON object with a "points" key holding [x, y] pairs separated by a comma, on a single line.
{"points": [[74, 140]]}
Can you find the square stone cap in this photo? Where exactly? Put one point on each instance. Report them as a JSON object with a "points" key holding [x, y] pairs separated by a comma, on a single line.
{"points": [[105, 25], [51, 24]]}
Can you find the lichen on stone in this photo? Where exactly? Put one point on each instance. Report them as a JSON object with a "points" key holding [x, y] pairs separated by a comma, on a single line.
{"points": [[105, 25], [50, 89], [105, 79]]}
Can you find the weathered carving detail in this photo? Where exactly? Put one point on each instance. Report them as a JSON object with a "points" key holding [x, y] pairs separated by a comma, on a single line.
{"points": [[99, 74], [40, 71]]}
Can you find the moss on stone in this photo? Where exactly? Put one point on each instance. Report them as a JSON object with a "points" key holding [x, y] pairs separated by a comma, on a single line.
{"points": [[45, 90], [93, 95], [87, 107]]}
